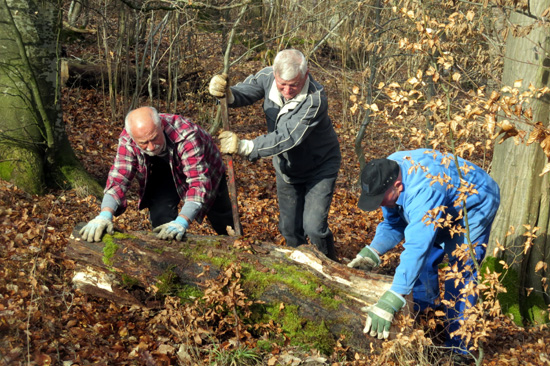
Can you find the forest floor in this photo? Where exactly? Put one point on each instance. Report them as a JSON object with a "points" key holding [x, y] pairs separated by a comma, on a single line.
{"points": [[44, 320]]}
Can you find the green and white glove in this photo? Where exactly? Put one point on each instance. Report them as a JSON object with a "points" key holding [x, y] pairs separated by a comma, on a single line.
{"points": [[366, 259], [172, 230], [93, 230], [380, 315]]}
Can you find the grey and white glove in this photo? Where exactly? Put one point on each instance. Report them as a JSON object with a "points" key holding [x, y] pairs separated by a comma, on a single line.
{"points": [[366, 259], [381, 314], [172, 230], [219, 87], [93, 230], [231, 144]]}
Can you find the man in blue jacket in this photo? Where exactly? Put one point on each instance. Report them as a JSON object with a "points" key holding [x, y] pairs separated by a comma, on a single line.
{"points": [[423, 198], [300, 139]]}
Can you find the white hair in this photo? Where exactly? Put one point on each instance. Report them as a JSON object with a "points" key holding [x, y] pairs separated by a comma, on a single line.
{"points": [[154, 115], [289, 63]]}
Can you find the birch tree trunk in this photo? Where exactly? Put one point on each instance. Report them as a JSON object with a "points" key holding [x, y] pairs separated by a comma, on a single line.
{"points": [[516, 168]]}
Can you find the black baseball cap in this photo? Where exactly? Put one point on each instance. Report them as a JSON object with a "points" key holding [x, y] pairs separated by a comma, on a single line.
{"points": [[377, 176]]}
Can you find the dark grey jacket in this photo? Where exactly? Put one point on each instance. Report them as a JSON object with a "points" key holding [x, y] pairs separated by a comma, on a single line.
{"points": [[300, 135]]}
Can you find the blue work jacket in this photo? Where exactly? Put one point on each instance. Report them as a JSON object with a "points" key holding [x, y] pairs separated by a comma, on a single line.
{"points": [[431, 180]]}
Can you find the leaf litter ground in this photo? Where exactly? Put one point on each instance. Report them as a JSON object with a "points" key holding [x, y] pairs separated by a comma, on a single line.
{"points": [[45, 321]]}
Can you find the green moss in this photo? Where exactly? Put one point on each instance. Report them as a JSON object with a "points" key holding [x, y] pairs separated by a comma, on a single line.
{"points": [[306, 284], [537, 310], [514, 312], [301, 332], [187, 252], [216, 261], [120, 236], [207, 242], [110, 246], [23, 167], [200, 253], [167, 282], [265, 346], [6, 170], [73, 175], [509, 301], [128, 281], [109, 249], [321, 337], [200, 249], [256, 281], [188, 293]]}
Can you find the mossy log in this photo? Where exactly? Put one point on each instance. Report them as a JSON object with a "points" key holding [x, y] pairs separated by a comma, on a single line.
{"points": [[324, 292]]}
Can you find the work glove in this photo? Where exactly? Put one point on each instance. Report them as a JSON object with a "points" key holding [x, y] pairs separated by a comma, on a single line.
{"points": [[231, 144], [380, 315], [219, 87], [366, 259], [172, 230], [93, 230]]}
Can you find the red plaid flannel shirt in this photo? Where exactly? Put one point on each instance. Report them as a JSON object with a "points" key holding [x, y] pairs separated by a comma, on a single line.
{"points": [[196, 162]]}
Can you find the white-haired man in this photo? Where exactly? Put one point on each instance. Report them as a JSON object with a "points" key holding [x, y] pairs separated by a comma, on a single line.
{"points": [[173, 160], [301, 139]]}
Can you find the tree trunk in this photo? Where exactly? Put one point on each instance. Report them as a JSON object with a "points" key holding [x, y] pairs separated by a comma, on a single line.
{"points": [[75, 11], [270, 273], [525, 194], [34, 148]]}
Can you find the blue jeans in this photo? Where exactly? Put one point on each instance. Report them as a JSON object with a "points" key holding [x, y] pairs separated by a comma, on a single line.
{"points": [[303, 213]]}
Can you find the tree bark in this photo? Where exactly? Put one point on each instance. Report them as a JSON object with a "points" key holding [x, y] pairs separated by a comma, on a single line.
{"points": [[144, 258], [34, 149], [516, 168]]}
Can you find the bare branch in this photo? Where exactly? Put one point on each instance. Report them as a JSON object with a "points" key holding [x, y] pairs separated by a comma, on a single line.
{"points": [[171, 6]]}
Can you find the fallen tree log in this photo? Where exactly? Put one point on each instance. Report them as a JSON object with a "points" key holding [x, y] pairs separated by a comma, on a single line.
{"points": [[69, 27], [78, 73], [322, 290]]}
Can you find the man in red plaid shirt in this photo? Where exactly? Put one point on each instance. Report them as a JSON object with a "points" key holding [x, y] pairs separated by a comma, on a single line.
{"points": [[173, 160]]}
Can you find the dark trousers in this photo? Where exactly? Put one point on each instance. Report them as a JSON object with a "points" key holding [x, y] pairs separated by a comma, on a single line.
{"points": [[303, 212], [162, 199]]}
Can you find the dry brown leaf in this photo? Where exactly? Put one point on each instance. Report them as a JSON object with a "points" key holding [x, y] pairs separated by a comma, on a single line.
{"points": [[545, 170], [541, 265]]}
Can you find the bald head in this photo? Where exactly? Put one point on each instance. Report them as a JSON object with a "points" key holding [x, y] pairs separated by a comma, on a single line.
{"points": [[144, 127]]}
